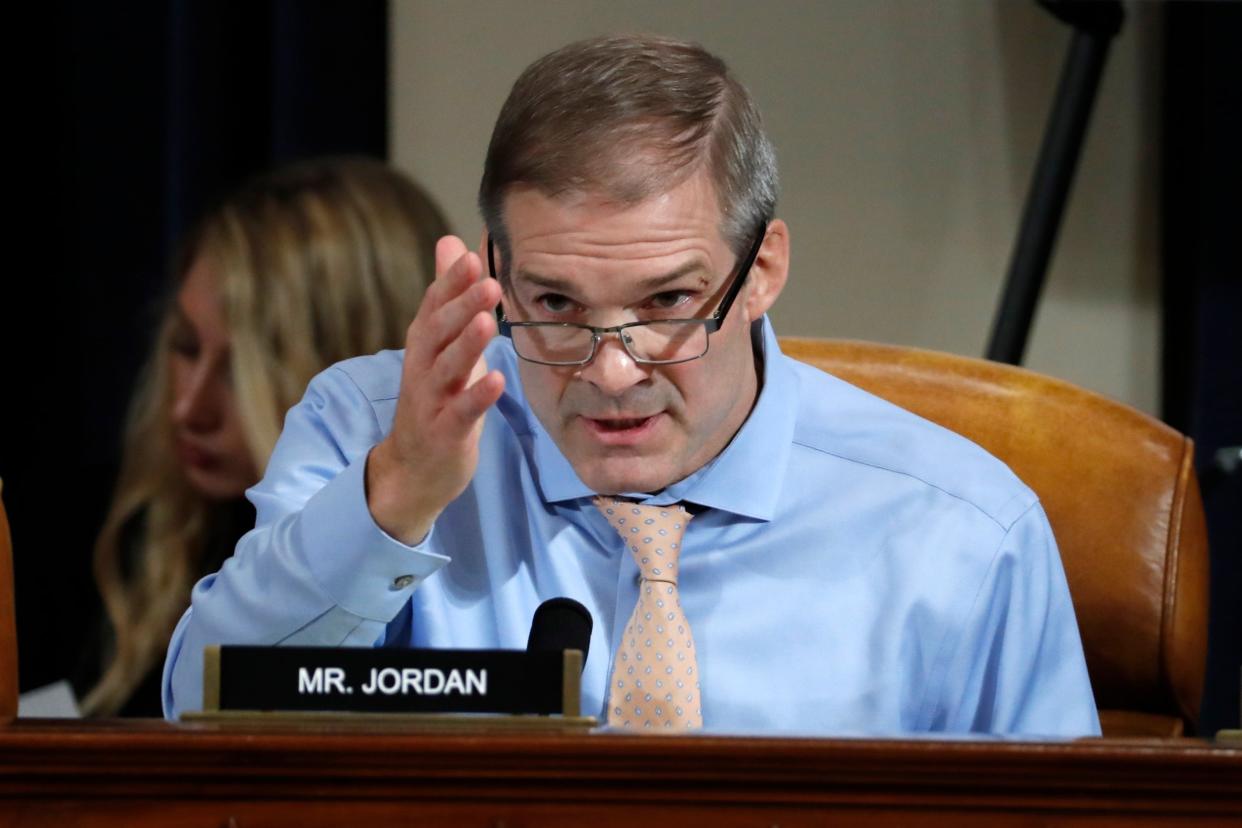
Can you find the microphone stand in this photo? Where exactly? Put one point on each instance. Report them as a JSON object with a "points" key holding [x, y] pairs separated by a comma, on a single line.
{"points": [[1094, 24]]}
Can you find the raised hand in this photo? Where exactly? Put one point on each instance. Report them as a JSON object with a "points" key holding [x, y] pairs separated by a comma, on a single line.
{"points": [[433, 449]]}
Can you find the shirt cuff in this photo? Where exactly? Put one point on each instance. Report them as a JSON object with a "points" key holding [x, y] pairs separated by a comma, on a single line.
{"points": [[362, 568]]}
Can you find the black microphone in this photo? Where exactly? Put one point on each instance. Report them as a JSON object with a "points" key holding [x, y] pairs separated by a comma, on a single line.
{"points": [[561, 624]]}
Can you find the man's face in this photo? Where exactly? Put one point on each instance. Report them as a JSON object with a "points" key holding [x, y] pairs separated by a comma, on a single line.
{"points": [[626, 426]]}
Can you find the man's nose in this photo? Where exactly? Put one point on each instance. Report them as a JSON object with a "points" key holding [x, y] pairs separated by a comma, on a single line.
{"points": [[613, 371], [196, 405]]}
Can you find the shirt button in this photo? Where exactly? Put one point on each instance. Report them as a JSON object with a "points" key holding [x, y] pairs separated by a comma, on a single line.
{"points": [[402, 582]]}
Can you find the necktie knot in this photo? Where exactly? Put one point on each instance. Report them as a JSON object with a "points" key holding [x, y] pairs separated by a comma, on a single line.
{"points": [[652, 534]]}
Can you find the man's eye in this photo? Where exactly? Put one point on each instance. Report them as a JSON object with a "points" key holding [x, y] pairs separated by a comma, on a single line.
{"points": [[555, 303], [670, 299]]}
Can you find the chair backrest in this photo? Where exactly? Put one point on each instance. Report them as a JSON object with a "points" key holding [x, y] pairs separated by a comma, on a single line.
{"points": [[1120, 492], [8, 622]]}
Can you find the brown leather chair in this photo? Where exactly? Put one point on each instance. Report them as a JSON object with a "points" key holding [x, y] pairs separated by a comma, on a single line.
{"points": [[1120, 492], [8, 622]]}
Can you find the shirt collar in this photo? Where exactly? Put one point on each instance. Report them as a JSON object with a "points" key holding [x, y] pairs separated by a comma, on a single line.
{"points": [[744, 479]]}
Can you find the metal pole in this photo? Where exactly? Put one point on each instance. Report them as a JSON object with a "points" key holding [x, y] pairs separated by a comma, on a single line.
{"points": [[1054, 173]]}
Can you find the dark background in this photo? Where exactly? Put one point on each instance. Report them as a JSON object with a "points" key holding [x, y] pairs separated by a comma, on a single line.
{"points": [[155, 108], [1202, 296]]}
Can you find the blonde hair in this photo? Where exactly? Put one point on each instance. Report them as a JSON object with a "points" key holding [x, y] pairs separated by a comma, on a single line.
{"points": [[316, 262]]}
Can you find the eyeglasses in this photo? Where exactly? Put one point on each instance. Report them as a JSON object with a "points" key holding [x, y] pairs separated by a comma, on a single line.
{"points": [[651, 342]]}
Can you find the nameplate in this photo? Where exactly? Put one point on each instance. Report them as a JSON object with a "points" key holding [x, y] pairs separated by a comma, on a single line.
{"points": [[364, 680]]}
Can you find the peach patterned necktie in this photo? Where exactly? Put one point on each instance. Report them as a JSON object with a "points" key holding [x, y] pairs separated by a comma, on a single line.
{"points": [[655, 676]]}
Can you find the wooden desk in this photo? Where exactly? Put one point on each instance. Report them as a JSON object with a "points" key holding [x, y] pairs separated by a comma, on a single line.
{"points": [[153, 773]]}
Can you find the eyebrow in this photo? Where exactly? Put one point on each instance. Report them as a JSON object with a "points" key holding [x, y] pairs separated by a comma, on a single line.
{"points": [[654, 283]]}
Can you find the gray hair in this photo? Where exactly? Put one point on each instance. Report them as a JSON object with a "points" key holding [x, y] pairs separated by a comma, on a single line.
{"points": [[630, 117]]}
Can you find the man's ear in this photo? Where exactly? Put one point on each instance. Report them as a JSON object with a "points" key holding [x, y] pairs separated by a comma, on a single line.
{"points": [[769, 272]]}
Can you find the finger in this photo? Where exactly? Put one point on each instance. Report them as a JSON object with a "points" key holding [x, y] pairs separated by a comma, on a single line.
{"points": [[454, 365], [467, 407], [461, 274], [440, 321], [448, 282], [447, 323], [448, 250]]}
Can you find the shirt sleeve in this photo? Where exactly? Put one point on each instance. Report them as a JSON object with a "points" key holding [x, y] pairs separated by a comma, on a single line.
{"points": [[1019, 668], [316, 569]]}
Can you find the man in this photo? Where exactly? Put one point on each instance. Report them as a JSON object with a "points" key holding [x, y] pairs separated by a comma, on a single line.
{"points": [[843, 565]]}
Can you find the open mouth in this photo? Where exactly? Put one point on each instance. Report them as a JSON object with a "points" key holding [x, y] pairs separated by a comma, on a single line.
{"points": [[621, 424], [621, 431]]}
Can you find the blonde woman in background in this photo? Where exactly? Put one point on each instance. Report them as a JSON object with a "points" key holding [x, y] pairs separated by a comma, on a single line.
{"points": [[301, 268]]}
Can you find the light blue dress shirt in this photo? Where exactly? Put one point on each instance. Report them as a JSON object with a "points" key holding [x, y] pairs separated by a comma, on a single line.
{"points": [[858, 569]]}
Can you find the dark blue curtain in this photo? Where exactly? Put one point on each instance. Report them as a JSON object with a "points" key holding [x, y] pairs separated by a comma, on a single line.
{"points": [[156, 108], [1202, 179]]}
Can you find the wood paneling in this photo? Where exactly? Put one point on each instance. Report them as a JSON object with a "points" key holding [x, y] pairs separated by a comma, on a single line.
{"points": [[153, 773]]}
